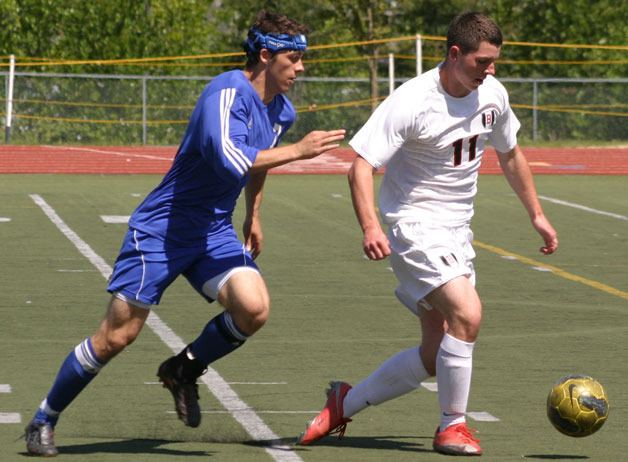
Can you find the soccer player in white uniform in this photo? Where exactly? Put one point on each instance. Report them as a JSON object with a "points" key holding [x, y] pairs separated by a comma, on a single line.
{"points": [[430, 134], [184, 227]]}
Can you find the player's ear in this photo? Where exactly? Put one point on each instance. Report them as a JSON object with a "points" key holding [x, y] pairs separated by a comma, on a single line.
{"points": [[454, 53], [265, 56]]}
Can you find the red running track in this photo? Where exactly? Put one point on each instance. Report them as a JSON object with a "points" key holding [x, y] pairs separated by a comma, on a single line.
{"points": [[157, 159]]}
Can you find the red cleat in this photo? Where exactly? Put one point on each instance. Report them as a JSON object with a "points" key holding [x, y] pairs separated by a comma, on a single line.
{"points": [[457, 440], [331, 420]]}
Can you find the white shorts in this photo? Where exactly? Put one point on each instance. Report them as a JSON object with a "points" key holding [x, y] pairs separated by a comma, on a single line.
{"points": [[424, 258]]}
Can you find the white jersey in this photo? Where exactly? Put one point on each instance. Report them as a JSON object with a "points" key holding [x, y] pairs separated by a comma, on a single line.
{"points": [[432, 144]]}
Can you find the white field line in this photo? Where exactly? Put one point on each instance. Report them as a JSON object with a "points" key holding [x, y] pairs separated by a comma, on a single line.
{"points": [[479, 416], [482, 417], [217, 411], [228, 383], [115, 219], [115, 153], [10, 418], [583, 207], [5, 388], [249, 420]]}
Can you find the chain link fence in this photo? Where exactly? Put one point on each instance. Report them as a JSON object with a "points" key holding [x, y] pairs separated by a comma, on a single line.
{"points": [[107, 109]]}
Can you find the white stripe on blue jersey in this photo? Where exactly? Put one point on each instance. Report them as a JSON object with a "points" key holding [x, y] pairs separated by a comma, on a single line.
{"points": [[235, 156], [227, 139]]}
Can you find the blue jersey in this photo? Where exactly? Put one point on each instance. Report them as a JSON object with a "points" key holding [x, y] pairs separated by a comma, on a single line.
{"points": [[229, 126]]}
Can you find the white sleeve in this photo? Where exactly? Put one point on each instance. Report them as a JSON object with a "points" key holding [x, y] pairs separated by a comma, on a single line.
{"points": [[384, 132], [504, 134]]}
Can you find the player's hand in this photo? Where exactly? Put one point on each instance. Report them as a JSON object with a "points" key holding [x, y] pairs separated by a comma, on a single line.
{"points": [[375, 244], [253, 236], [548, 233], [318, 142]]}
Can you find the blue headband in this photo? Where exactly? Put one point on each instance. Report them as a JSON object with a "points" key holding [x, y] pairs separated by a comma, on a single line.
{"points": [[257, 40]]}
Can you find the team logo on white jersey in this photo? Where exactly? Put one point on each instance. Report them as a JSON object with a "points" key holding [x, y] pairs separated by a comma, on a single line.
{"points": [[489, 118], [449, 260]]}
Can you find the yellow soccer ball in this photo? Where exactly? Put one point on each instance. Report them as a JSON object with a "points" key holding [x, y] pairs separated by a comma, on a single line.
{"points": [[577, 405]]}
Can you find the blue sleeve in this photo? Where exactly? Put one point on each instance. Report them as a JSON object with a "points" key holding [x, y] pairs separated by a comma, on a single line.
{"points": [[224, 134]]}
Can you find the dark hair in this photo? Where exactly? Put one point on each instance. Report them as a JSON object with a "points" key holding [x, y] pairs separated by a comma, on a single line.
{"points": [[272, 23], [468, 30]]}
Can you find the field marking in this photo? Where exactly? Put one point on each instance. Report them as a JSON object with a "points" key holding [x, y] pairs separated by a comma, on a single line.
{"points": [[221, 411], [10, 418], [554, 269], [233, 383], [115, 219], [257, 383], [482, 417], [5, 388], [74, 271], [114, 153], [584, 207], [4, 219], [240, 411], [431, 386]]}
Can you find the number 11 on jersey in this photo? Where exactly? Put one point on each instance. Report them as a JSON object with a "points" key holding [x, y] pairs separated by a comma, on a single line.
{"points": [[458, 149]]}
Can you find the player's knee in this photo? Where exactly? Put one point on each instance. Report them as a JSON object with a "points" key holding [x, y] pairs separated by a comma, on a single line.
{"points": [[258, 315], [465, 324], [118, 340], [253, 316], [468, 327]]}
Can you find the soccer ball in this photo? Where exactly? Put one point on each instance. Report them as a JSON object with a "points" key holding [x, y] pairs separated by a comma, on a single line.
{"points": [[577, 405]]}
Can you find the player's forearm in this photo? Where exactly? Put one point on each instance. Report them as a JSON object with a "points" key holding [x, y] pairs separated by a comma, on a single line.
{"points": [[313, 144], [519, 176], [362, 194], [269, 158], [254, 192]]}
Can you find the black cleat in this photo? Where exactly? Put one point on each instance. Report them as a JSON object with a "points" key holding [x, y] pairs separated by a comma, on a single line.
{"points": [[40, 439], [183, 387]]}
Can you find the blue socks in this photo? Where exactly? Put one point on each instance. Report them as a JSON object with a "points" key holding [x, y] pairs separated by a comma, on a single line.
{"points": [[78, 369], [219, 338]]}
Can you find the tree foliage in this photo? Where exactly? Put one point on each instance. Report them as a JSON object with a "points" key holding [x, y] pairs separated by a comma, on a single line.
{"points": [[117, 29], [131, 29]]}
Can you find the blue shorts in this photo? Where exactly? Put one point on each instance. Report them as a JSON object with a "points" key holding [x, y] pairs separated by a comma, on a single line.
{"points": [[146, 265]]}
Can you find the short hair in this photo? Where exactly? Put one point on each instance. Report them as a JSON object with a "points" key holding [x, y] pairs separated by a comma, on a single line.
{"points": [[271, 23], [468, 30]]}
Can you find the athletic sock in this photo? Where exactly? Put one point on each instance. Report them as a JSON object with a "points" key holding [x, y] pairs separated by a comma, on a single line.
{"points": [[78, 369], [219, 338], [398, 375], [454, 362]]}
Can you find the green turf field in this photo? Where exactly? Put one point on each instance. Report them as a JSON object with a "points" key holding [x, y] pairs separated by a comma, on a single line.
{"points": [[334, 315]]}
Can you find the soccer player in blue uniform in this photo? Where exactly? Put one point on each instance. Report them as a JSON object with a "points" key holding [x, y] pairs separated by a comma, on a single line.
{"points": [[184, 226]]}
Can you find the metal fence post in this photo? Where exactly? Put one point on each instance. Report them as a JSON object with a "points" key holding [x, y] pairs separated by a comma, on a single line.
{"points": [[144, 112], [535, 102], [391, 73], [9, 109], [419, 55]]}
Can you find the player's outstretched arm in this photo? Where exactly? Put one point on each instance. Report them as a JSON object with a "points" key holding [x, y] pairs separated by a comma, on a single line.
{"points": [[375, 242], [313, 144], [519, 176]]}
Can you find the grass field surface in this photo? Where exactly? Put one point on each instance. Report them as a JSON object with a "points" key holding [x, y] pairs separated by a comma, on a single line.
{"points": [[334, 316]]}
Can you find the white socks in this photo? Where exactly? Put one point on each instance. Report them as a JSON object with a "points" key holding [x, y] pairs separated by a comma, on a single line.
{"points": [[453, 374], [404, 372], [397, 376]]}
